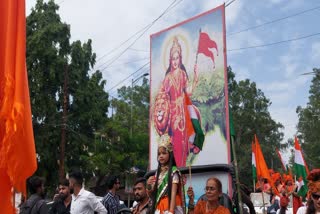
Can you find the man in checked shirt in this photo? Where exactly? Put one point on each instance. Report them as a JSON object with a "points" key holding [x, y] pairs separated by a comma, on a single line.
{"points": [[111, 201]]}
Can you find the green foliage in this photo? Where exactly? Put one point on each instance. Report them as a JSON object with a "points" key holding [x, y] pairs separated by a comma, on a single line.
{"points": [[52, 61], [118, 151], [309, 123], [208, 97], [249, 108]]}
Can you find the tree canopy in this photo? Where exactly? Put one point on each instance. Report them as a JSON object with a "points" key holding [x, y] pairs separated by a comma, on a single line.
{"points": [[309, 123], [251, 116], [64, 96]]}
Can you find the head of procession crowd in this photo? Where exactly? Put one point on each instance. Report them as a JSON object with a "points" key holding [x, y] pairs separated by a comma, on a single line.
{"points": [[229, 201]]}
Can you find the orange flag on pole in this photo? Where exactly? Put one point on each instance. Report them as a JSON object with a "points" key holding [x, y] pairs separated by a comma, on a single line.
{"points": [[17, 149], [262, 168]]}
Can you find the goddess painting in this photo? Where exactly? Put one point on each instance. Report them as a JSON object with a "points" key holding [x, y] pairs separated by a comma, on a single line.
{"points": [[170, 110]]}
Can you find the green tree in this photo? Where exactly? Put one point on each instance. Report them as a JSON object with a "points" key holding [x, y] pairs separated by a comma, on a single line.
{"points": [[249, 108], [309, 123], [64, 97], [118, 151]]}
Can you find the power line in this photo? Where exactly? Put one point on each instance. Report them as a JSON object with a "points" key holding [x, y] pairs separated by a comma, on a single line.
{"points": [[273, 21], [250, 13], [172, 5], [244, 48], [138, 50], [122, 43], [165, 11], [126, 63], [144, 30], [230, 2], [141, 72], [275, 43], [128, 77]]}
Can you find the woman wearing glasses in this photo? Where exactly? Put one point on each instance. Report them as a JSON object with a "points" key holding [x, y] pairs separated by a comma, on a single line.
{"points": [[211, 205], [313, 204]]}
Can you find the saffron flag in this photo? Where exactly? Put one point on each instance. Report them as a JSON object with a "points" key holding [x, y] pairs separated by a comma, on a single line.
{"points": [[205, 43], [194, 130], [283, 163], [300, 169], [254, 165], [262, 168], [17, 149]]}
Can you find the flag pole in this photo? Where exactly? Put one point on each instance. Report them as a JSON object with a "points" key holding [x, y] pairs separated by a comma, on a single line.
{"points": [[190, 177], [198, 47], [236, 173], [234, 161], [264, 206]]}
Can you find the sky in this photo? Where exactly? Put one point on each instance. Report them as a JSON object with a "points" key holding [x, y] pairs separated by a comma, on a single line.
{"points": [[122, 42]]}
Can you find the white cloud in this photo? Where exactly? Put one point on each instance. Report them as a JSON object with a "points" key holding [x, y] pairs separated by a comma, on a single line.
{"points": [[287, 116], [276, 1], [241, 40], [242, 73], [232, 11], [281, 90], [286, 5], [289, 65]]}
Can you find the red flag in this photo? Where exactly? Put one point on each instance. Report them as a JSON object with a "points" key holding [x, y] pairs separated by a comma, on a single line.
{"points": [[17, 150], [205, 43], [284, 165]]}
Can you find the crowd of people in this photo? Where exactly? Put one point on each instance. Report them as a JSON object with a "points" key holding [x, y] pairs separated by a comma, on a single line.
{"points": [[283, 190], [163, 193]]}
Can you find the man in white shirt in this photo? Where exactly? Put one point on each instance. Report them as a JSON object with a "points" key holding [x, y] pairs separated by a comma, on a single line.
{"points": [[83, 201]]}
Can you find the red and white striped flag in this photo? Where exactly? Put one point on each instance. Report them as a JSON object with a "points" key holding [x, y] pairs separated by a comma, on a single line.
{"points": [[283, 162]]}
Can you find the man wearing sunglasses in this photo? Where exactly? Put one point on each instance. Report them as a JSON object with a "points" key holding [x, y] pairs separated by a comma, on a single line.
{"points": [[111, 201]]}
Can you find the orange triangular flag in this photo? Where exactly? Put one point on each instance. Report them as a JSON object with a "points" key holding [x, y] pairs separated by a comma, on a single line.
{"points": [[262, 168]]}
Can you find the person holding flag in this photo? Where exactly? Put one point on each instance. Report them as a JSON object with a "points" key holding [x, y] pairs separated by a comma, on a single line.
{"points": [[301, 171]]}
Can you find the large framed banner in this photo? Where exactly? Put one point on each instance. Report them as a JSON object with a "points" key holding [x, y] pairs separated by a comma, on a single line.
{"points": [[188, 91]]}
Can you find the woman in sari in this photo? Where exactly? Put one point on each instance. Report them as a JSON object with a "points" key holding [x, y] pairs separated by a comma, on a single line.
{"points": [[211, 205], [172, 92], [165, 187]]}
